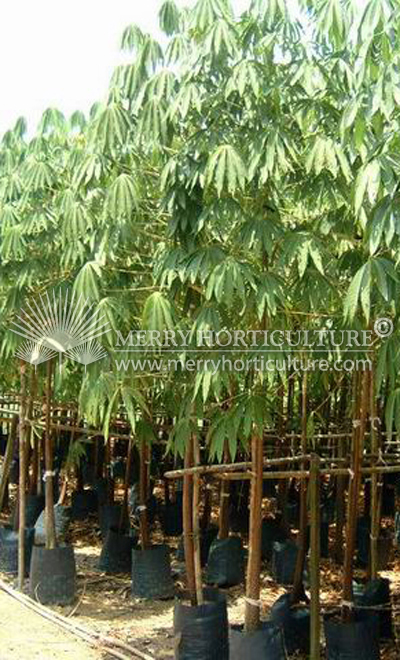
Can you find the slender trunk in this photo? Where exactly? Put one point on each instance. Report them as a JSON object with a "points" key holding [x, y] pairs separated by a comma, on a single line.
{"points": [[188, 525], [143, 519], [298, 587], [223, 532], [253, 605], [359, 424], [207, 508], [315, 623], [375, 508], [8, 456], [124, 510], [51, 541], [22, 478], [340, 507], [196, 526]]}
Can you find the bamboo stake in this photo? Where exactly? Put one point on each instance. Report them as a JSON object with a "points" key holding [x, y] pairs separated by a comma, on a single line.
{"points": [[375, 512], [315, 624], [253, 605], [196, 526], [232, 467], [22, 480]]}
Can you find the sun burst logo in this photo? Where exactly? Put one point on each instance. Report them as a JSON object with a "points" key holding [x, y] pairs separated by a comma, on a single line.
{"points": [[60, 326]]}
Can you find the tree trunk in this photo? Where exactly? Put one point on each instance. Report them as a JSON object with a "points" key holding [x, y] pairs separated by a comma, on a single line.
{"points": [[124, 510], [253, 605], [51, 541], [188, 524], [340, 507], [143, 517], [223, 532], [22, 478], [196, 526], [375, 508], [298, 587], [8, 456], [359, 425]]}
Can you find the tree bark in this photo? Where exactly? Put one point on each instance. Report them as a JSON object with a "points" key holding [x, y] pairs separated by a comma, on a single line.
{"points": [[253, 606]]}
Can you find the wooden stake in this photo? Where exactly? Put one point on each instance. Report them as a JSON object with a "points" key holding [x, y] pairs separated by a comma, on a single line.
{"points": [[315, 624], [298, 587], [375, 508]]}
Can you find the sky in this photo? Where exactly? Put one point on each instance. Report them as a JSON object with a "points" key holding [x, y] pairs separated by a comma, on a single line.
{"points": [[62, 53]]}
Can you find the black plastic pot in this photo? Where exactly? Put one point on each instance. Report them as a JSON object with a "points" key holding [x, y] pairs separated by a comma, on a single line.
{"points": [[34, 507], [101, 490], [284, 556], [263, 644], [9, 550], [116, 553], [109, 516], [201, 633], [225, 567], [62, 515], [84, 502], [377, 592], [151, 573], [53, 575], [206, 539], [295, 623], [171, 519], [271, 532], [358, 639]]}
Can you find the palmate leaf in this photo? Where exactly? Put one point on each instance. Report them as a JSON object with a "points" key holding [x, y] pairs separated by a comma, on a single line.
{"points": [[52, 120], [90, 169], [226, 169], [169, 17], [132, 38], [221, 39], [227, 280], [112, 126], [367, 182], [157, 313], [38, 175], [13, 244], [245, 76], [153, 124], [87, 281], [206, 12], [122, 196]]}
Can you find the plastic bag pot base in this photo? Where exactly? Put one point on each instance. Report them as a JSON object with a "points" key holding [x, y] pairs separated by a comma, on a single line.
{"points": [[171, 519], [201, 633], [116, 553], [263, 644], [377, 592], [84, 502], [225, 566], [9, 550], [350, 641], [62, 516], [151, 573], [295, 623], [109, 517], [284, 556], [53, 575]]}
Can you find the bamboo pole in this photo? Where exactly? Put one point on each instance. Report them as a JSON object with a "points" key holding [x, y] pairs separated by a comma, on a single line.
{"points": [[253, 605], [375, 509], [340, 506], [196, 525], [22, 480], [232, 467], [315, 623]]}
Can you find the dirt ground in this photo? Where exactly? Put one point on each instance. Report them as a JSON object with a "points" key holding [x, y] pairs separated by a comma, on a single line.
{"points": [[104, 605]]}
